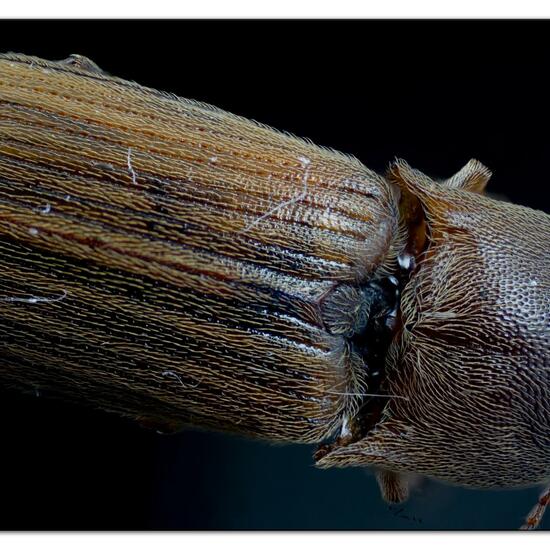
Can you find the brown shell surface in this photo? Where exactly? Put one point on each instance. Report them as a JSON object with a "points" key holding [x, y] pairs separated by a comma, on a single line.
{"points": [[166, 260], [471, 372]]}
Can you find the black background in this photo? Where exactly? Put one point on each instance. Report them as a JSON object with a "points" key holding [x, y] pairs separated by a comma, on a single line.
{"points": [[435, 93]]}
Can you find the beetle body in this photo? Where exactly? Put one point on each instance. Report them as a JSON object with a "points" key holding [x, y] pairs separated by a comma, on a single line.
{"points": [[199, 256], [472, 361], [183, 266]]}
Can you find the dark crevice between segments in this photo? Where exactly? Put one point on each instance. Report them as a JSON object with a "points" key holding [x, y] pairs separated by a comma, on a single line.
{"points": [[380, 301], [385, 322], [372, 343]]}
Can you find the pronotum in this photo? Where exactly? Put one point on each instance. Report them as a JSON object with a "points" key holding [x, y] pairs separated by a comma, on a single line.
{"points": [[182, 266]]}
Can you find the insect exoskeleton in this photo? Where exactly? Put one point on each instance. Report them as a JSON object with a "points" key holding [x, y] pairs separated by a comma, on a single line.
{"points": [[177, 264], [213, 271], [470, 364]]}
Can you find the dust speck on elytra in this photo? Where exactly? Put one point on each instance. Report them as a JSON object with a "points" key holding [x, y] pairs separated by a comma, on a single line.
{"points": [[130, 168], [306, 165], [178, 378], [35, 299]]}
